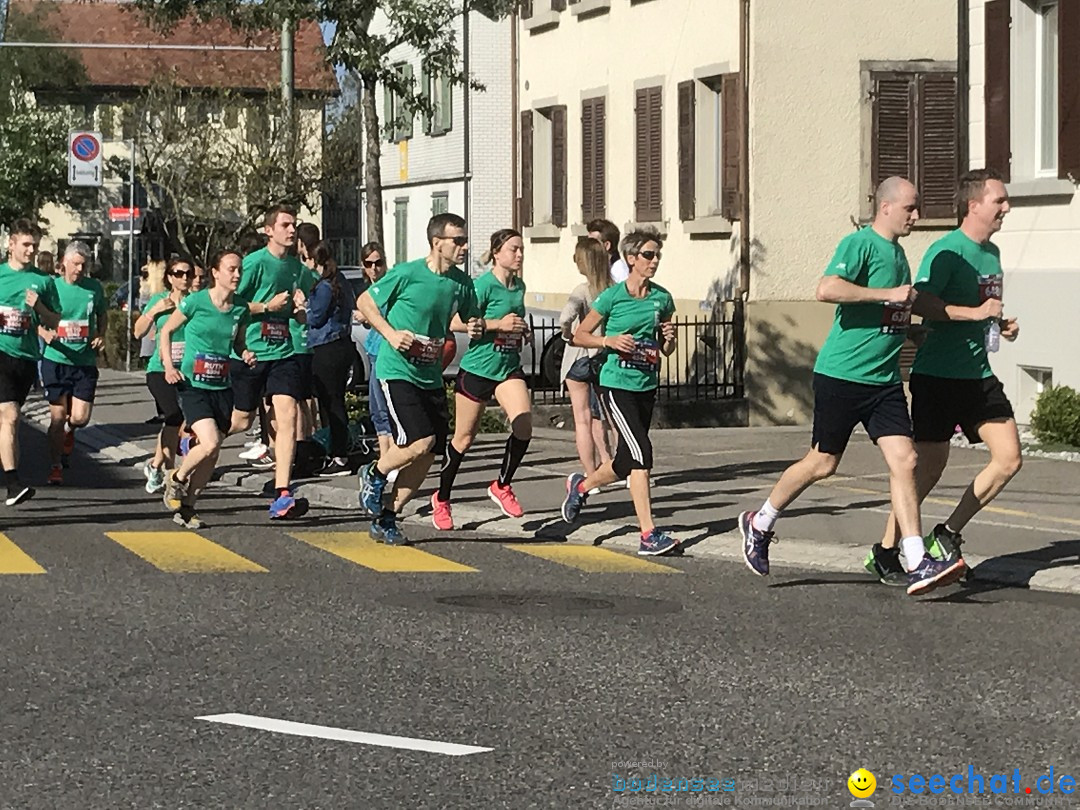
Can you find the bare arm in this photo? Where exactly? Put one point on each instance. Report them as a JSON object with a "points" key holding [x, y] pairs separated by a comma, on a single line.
{"points": [[176, 320], [400, 340], [836, 290], [932, 308], [584, 337]]}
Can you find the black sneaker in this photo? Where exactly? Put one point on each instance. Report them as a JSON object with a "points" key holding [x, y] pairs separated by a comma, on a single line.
{"points": [[335, 467], [18, 494], [942, 544], [884, 564]]}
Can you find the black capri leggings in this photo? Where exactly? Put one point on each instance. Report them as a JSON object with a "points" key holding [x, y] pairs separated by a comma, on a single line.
{"points": [[330, 367], [631, 414], [165, 397]]}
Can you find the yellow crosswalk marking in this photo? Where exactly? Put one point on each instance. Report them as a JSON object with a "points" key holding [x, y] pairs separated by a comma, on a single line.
{"points": [[184, 553], [593, 559], [359, 548], [13, 560]]}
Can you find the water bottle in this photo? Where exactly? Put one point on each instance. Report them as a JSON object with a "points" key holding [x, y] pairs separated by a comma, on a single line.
{"points": [[993, 336]]}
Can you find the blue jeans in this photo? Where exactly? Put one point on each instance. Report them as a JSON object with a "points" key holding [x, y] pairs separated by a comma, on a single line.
{"points": [[380, 414]]}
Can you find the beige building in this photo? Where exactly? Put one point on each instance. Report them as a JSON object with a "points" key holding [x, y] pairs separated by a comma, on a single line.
{"points": [[750, 134], [1024, 121]]}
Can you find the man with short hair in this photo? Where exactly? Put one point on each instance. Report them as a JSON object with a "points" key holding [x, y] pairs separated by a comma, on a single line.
{"points": [[857, 379], [959, 286], [606, 233], [69, 370], [23, 293], [420, 299], [270, 280]]}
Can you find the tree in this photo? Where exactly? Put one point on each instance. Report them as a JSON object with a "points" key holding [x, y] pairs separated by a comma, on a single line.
{"points": [[425, 25]]}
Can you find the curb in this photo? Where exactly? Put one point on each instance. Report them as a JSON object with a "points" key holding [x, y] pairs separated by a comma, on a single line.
{"points": [[1037, 575]]}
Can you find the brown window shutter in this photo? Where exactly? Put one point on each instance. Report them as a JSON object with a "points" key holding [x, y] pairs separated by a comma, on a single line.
{"points": [[996, 90], [893, 128], [648, 167], [938, 145], [686, 150], [1069, 90], [656, 154], [588, 159], [558, 5], [558, 165], [599, 189], [526, 205], [731, 146], [526, 9], [641, 155]]}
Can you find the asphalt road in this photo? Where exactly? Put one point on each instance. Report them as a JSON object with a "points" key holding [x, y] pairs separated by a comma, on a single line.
{"points": [[564, 667]]}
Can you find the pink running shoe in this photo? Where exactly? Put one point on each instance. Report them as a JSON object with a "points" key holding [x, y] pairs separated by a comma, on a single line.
{"points": [[506, 499], [441, 516]]}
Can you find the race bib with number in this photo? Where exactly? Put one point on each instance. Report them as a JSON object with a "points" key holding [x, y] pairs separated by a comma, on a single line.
{"points": [[275, 331], [211, 369], [425, 351], [989, 287], [508, 343], [644, 357], [76, 333], [14, 321], [895, 319], [176, 352]]}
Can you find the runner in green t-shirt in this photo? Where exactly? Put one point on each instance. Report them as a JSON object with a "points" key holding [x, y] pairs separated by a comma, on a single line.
{"points": [[960, 290], [419, 298], [69, 364], [215, 324], [492, 368], [857, 379], [636, 318], [179, 280], [24, 294]]}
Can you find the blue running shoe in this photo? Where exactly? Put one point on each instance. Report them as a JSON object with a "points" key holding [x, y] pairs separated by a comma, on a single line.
{"points": [[371, 491], [933, 574], [283, 506], [575, 498], [384, 529], [657, 543], [755, 545]]}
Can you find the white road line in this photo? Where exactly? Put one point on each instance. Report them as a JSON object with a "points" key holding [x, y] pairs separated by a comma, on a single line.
{"points": [[343, 734]]}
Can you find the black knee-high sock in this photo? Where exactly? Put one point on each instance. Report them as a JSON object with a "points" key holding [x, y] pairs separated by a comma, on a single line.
{"points": [[451, 462], [512, 456]]}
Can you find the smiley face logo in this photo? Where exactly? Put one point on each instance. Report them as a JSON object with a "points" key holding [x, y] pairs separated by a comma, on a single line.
{"points": [[862, 784]]}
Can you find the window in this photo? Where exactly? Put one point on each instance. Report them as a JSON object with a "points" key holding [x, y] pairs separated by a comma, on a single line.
{"points": [[914, 134], [543, 166], [440, 202], [401, 230], [648, 155], [593, 159], [438, 93], [708, 131], [397, 119]]}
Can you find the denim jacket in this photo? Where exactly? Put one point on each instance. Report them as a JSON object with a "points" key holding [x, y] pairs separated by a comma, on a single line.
{"points": [[328, 320]]}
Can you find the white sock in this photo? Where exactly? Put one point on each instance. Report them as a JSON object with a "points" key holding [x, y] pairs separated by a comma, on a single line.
{"points": [[766, 517], [914, 550]]}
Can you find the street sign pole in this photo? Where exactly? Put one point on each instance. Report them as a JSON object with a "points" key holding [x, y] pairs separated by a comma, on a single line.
{"points": [[131, 249]]}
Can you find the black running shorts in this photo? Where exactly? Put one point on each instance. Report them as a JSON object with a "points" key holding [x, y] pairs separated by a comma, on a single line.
{"points": [[268, 378], [840, 405], [631, 414], [481, 389], [17, 377], [939, 404], [165, 397], [417, 413], [206, 403]]}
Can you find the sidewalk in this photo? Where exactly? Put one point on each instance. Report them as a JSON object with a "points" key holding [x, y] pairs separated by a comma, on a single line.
{"points": [[1030, 536]]}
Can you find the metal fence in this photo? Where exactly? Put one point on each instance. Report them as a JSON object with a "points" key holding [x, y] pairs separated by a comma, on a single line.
{"points": [[707, 363]]}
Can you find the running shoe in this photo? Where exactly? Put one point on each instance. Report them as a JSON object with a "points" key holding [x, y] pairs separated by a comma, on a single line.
{"points": [[19, 493], [384, 529], [187, 518], [255, 452], [56, 475], [155, 478], [755, 545], [942, 544], [575, 498], [884, 565], [441, 516], [283, 506], [372, 487], [175, 492], [657, 544], [264, 462], [335, 468], [933, 574], [506, 499]]}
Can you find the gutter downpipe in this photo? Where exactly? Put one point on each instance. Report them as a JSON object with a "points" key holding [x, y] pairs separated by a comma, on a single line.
{"points": [[963, 82]]}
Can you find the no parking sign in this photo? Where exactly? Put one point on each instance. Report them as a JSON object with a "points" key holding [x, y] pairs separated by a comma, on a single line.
{"points": [[84, 159]]}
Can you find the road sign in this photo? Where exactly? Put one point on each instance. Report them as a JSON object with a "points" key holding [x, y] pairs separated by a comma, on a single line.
{"points": [[122, 218], [84, 159]]}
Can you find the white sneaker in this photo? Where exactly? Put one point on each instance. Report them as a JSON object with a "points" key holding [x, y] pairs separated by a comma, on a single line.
{"points": [[257, 450], [252, 443]]}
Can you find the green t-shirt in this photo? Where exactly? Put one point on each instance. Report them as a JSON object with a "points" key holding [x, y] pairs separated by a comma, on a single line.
{"points": [[264, 276], [298, 330], [209, 336], [960, 272], [496, 355], [864, 343], [82, 314], [155, 364], [18, 322], [622, 314], [421, 301]]}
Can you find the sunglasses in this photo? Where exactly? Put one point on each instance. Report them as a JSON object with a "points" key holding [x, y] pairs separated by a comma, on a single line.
{"points": [[144, 274], [374, 262], [649, 255], [460, 241], [182, 273]]}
